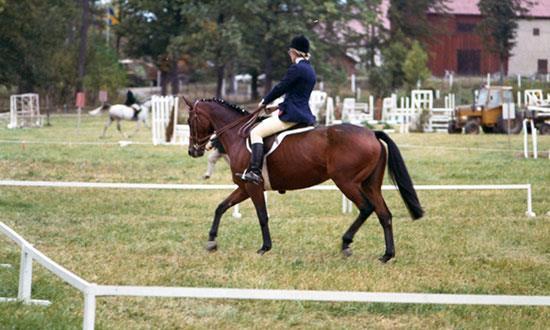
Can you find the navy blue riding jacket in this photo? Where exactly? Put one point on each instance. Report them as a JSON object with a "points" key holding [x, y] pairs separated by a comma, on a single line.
{"points": [[297, 84]]}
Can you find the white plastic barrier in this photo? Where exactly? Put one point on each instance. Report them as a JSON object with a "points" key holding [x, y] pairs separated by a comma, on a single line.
{"points": [[409, 110], [317, 100], [161, 107], [25, 111], [357, 112], [329, 113], [532, 97]]}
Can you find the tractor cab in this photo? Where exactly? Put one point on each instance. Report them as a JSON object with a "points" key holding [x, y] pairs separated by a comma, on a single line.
{"points": [[486, 112]]}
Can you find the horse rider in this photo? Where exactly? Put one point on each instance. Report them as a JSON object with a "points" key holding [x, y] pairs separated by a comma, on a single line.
{"points": [[132, 102], [217, 152], [297, 84]]}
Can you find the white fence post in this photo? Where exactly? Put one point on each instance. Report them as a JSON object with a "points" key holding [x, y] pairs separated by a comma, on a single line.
{"points": [[88, 322], [530, 212], [526, 138], [25, 277], [329, 113]]}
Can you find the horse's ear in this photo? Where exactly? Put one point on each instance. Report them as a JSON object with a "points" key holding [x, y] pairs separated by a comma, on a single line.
{"points": [[189, 104]]}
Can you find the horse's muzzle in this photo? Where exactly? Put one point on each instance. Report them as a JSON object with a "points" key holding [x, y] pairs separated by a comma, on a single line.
{"points": [[195, 152]]}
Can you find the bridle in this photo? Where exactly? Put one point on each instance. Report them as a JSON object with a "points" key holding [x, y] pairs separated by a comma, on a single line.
{"points": [[200, 143]]}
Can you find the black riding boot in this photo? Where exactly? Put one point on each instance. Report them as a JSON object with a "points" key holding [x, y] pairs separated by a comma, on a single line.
{"points": [[254, 172]]}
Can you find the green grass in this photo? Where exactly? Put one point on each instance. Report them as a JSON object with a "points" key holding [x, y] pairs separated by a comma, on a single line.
{"points": [[469, 242]]}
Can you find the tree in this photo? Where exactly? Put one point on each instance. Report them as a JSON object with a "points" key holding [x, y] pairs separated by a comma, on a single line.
{"points": [[409, 18], [415, 66], [217, 34], [82, 50], [273, 23], [37, 47], [150, 27], [393, 57], [498, 26], [103, 70], [409, 23]]}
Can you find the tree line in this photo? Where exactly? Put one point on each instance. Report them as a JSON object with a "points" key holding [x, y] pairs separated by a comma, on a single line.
{"points": [[58, 47]]}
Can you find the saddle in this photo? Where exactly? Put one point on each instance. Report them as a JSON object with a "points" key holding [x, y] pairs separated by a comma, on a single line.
{"points": [[273, 141], [270, 145]]}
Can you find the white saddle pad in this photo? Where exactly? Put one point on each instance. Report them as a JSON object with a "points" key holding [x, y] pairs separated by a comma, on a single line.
{"points": [[280, 137]]}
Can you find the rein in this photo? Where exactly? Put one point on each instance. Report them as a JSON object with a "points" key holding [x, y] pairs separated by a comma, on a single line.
{"points": [[247, 122]]}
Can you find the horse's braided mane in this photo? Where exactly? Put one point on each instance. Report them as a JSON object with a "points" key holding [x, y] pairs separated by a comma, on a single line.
{"points": [[227, 104]]}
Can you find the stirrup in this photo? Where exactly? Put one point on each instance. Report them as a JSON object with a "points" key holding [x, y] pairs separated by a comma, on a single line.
{"points": [[251, 176]]}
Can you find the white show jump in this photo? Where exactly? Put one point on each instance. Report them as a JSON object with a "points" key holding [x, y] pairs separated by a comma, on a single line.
{"points": [[25, 111], [161, 110]]}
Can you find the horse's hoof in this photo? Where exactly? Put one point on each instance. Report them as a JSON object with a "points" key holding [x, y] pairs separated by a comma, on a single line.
{"points": [[206, 177], [263, 250], [347, 252], [385, 258], [211, 246]]}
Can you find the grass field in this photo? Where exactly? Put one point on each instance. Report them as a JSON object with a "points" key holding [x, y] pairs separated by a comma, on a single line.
{"points": [[476, 242]]}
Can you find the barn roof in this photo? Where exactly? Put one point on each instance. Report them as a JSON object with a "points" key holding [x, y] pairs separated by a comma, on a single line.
{"points": [[541, 9]]}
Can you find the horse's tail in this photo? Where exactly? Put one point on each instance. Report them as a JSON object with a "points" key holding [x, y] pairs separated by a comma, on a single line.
{"points": [[97, 111], [170, 127], [400, 176]]}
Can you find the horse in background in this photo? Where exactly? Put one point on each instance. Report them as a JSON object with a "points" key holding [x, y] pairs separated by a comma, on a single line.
{"points": [[119, 112]]}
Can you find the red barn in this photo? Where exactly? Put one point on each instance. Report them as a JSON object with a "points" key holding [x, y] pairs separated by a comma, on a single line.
{"points": [[455, 44]]}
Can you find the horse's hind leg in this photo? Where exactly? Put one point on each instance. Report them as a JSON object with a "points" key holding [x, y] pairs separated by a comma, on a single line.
{"points": [[372, 189], [136, 130], [385, 217], [364, 212], [119, 128], [353, 193], [234, 198], [257, 195]]}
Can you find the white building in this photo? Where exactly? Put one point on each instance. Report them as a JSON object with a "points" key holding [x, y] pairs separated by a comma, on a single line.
{"points": [[531, 53]]}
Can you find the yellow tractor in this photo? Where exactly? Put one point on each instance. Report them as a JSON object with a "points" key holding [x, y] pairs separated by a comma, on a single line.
{"points": [[487, 113]]}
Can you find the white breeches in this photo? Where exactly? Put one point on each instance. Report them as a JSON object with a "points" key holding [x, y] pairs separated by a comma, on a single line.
{"points": [[268, 127]]}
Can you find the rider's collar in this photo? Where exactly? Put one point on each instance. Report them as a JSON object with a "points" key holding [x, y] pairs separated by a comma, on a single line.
{"points": [[299, 59]]}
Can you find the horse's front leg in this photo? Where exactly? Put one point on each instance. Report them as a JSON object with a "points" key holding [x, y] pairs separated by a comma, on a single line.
{"points": [[256, 193], [234, 198], [107, 124], [136, 130], [119, 128]]}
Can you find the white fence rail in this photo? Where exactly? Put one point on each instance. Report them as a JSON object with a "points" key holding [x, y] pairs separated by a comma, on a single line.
{"points": [[346, 205], [91, 290]]}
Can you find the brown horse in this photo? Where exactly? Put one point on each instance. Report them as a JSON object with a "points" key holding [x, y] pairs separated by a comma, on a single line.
{"points": [[352, 156]]}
